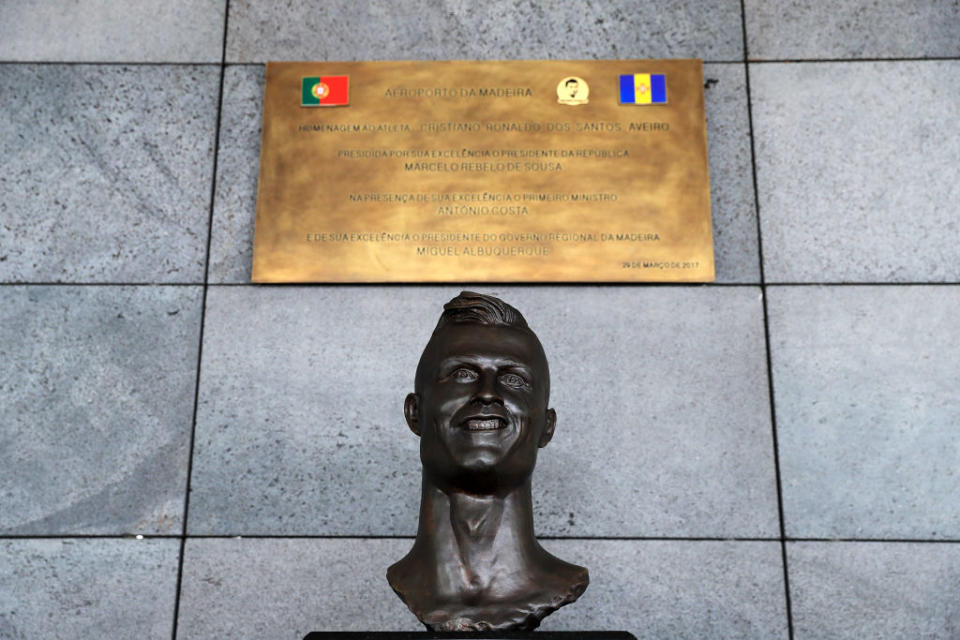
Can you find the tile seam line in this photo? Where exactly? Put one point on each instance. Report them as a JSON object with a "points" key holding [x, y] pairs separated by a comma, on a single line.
{"points": [[789, 540], [233, 63], [203, 318], [705, 61], [113, 63], [788, 606], [852, 60]]}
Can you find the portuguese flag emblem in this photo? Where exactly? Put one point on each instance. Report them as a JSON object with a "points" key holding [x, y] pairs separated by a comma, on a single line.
{"points": [[325, 91]]}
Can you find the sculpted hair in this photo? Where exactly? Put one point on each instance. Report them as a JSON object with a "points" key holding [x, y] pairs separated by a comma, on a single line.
{"points": [[476, 308]]}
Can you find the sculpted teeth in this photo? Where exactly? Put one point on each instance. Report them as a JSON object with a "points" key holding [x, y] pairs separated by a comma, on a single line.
{"points": [[484, 425]]}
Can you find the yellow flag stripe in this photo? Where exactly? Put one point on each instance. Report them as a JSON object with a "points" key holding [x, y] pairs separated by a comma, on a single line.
{"points": [[641, 83]]}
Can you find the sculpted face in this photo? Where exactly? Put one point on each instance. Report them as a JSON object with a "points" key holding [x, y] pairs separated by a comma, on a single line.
{"points": [[481, 405]]}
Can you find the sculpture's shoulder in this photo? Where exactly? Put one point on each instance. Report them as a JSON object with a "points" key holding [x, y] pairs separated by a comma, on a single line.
{"points": [[520, 604], [410, 580], [579, 579], [398, 575], [568, 581]]}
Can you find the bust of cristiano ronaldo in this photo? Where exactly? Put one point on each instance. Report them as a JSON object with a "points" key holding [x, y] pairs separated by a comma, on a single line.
{"points": [[480, 408]]}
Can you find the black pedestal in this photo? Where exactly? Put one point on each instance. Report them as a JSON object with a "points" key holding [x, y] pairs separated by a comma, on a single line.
{"points": [[492, 635]]}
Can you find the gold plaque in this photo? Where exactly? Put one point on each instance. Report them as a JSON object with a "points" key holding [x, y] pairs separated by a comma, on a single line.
{"points": [[510, 171]]}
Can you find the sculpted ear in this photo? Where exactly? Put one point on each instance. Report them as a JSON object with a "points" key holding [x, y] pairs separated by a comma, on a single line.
{"points": [[411, 411], [548, 428]]}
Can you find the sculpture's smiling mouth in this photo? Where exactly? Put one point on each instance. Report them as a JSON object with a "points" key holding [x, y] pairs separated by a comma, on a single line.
{"points": [[484, 423]]}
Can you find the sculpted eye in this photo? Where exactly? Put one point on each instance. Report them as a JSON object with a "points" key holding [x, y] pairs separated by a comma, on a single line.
{"points": [[464, 375], [513, 380]]}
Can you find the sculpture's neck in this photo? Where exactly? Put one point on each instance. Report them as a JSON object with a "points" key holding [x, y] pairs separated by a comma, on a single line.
{"points": [[491, 536], [476, 566]]}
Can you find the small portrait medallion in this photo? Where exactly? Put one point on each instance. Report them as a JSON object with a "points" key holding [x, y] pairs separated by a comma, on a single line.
{"points": [[573, 90]]}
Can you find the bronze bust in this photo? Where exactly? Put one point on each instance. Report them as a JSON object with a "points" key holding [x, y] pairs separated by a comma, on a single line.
{"points": [[480, 408]]}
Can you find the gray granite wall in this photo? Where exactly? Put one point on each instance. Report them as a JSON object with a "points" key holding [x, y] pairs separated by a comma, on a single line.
{"points": [[776, 455]]}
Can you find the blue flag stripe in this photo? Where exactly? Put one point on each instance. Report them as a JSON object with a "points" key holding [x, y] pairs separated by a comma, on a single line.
{"points": [[627, 95], [658, 87]]}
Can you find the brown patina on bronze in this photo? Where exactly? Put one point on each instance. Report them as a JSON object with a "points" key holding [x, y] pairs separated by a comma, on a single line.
{"points": [[480, 407]]}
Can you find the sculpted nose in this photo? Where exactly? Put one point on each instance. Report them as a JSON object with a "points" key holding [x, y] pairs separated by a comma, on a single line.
{"points": [[487, 390]]}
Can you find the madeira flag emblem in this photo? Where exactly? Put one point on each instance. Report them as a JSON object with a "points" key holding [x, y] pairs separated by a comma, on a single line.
{"points": [[325, 91], [643, 88]]}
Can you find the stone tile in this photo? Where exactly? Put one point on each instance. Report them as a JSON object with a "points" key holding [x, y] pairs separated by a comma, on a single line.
{"points": [[734, 216], [238, 166], [283, 588], [87, 589], [661, 395], [676, 589], [874, 590], [300, 426], [106, 172], [867, 406], [663, 412], [97, 386], [99, 31], [501, 29], [798, 29], [855, 179], [286, 588], [731, 174]]}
